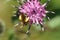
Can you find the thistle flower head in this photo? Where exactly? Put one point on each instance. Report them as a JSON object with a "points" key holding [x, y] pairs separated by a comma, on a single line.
{"points": [[34, 10]]}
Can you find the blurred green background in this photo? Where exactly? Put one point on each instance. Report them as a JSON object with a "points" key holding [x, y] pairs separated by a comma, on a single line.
{"points": [[52, 27]]}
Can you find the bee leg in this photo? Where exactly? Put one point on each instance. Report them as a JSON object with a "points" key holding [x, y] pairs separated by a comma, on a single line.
{"points": [[22, 25], [28, 29], [15, 26]]}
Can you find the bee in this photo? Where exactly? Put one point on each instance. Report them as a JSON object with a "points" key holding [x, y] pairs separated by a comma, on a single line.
{"points": [[23, 20]]}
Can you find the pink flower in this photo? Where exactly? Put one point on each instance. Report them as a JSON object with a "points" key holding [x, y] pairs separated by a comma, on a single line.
{"points": [[34, 10]]}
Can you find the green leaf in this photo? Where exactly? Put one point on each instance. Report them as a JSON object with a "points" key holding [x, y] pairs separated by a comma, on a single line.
{"points": [[55, 22]]}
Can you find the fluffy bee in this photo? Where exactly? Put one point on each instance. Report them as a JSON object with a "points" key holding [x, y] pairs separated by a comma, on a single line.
{"points": [[23, 20]]}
